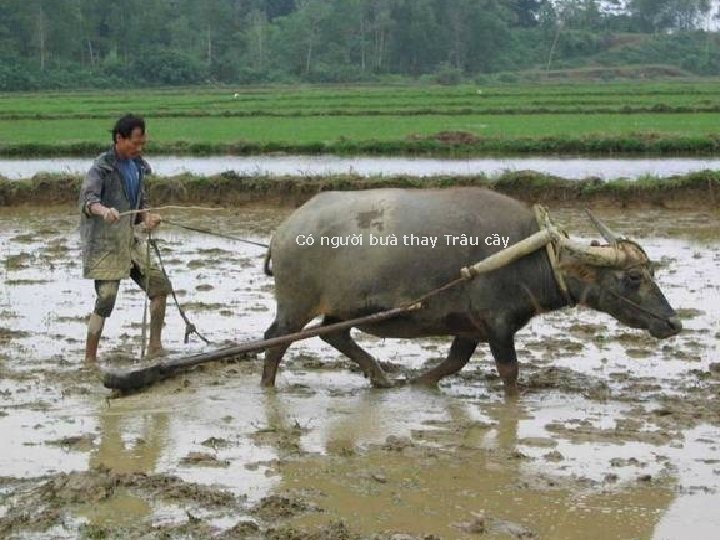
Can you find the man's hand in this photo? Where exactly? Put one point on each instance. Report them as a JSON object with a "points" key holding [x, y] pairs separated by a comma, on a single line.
{"points": [[111, 215], [151, 220]]}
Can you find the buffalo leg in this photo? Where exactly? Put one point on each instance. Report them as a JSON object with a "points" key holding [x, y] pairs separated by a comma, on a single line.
{"points": [[503, 350], [346, 345], [460, 352], [274, 355]]}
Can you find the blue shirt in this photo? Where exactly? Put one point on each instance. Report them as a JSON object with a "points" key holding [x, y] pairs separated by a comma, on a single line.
{"points": [[131, 175]]}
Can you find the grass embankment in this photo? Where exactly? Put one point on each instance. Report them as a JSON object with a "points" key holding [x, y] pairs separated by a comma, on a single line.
{"points": [[696, 190], [652, 118]]}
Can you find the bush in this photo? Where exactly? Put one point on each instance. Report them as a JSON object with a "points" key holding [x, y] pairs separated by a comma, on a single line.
{"points": [[327, 73], [507, 78], [67, 76], [113, 70], [448, 75], [16, 75], [578, 43], [166, 66], [696, 52]]}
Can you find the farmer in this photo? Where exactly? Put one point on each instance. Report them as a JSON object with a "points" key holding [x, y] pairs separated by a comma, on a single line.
{"points": [[113, 186]]}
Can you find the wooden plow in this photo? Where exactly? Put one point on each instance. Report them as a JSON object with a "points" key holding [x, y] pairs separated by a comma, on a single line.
{"points": [[129, 380]]}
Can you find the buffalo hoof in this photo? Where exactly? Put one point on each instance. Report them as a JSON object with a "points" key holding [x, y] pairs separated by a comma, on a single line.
{"points": [[384, 382], [156, 352], [267, 383], [514, 391], [424, 380]]}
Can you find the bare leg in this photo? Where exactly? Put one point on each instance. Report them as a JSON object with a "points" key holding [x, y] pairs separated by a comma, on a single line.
{"points": [[106, 291], [157, 319], [460, 352], [346, 345], [94, 331]]}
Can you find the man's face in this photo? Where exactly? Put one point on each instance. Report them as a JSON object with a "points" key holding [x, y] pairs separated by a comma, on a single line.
{"points": [[132, 146]]}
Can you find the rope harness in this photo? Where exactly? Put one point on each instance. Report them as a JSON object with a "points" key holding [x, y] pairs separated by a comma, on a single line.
{"points": [[219, 235], [189, 327], [542, 215], [147, 288], [634, 304]]}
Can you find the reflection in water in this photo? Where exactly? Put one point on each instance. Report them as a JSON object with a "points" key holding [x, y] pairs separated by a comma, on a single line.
{"points": [[284, 435], [454, 470], [129, 443], [364, 419]]}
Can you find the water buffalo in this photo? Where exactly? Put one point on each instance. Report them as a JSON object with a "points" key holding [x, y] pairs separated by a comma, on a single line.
{"points": [[335, 257]]}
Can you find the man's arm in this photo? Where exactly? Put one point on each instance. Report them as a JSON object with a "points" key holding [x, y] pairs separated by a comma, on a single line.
{"points": [[90, 198]]}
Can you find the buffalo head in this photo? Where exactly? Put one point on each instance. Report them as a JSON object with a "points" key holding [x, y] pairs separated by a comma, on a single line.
{"points": [[618, 279]]}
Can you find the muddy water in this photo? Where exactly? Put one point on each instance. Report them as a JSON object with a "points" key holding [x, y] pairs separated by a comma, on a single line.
{"points": [[617, 435]]}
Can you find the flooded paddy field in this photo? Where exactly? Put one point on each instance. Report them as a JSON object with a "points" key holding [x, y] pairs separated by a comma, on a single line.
{"points": [[616, 436], [573, 167]]}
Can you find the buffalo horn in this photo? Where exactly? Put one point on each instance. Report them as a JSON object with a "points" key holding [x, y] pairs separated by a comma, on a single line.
{"points": [[510, 254], [605, 231], [596, 255]]}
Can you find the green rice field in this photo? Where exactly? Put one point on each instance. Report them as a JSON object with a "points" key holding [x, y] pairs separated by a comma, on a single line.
{"points": [[654, 118]]}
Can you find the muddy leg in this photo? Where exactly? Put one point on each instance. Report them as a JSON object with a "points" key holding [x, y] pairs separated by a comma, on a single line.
{"points": [[346, 345], [503, 351], [509, 374], [106, 292], [460, 352], [94, 331], [274, 355], [157, 319]]}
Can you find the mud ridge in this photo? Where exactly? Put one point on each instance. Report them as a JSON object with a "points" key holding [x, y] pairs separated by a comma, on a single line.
{"points": [[695, 190]]}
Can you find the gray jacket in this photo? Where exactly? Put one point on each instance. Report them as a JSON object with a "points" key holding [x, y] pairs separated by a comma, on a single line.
{"points": [[106, 248]]}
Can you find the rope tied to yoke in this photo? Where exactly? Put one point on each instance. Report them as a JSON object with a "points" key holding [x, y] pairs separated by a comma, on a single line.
{"points": [[553, 248], [190, 327]]}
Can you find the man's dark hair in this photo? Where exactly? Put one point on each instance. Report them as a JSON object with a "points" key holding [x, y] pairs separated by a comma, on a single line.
{"points": [[125, 126]]}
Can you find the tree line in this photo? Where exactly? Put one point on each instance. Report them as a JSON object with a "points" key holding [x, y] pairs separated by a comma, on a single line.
{"points": [[95, 43]]}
